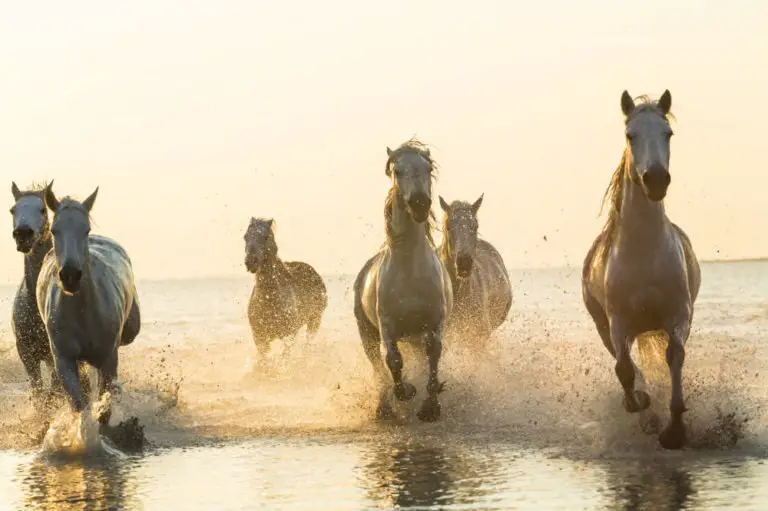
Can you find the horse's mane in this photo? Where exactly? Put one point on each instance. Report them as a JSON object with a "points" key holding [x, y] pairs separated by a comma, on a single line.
{"points": [[36, 189], [411, 146], [615, 191]]}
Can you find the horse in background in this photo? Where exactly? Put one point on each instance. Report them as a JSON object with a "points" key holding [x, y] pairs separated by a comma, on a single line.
{"points": [[641, 273], [285, 295], [482, 292], [87, 299], [32, 234], [404, 291]]}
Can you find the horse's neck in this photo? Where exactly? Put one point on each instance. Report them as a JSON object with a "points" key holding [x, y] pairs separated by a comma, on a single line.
{"points": [[641, 218], [270, 273], [405, 235], [34, 261], [450, 265]]}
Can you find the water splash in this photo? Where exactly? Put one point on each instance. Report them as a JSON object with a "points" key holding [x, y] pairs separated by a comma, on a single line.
{"points": [[77, 434]]}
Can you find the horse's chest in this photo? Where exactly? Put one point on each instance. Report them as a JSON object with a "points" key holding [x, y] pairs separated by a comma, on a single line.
{"points": [[273, 310]]}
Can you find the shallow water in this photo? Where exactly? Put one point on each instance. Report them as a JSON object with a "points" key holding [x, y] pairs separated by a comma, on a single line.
{"points": [[533, 420]]}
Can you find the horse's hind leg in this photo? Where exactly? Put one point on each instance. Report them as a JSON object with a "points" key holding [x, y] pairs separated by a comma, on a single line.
{"points": [[673, 436], [430, 408], [634, 400]]}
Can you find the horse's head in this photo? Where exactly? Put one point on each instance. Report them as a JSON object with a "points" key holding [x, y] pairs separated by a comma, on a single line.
{"points": [[460, 229], [648, 142], [30, 218], [70, 228], [410, 166], [260, 244]]}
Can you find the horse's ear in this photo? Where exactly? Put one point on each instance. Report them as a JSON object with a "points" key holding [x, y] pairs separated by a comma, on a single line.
{"points": [[50, 198], [271, 223], [627, 103], [15, 191], [477, 204], [389, 152], [444, 204], [88, 203], [665, 102]]}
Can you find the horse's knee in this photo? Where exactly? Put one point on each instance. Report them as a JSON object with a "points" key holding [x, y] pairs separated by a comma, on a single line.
{"points": [[675, 354]]}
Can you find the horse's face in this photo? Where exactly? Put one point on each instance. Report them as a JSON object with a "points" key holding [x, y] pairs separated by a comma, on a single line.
{"points": [[461, 233], [30, 219], [260, 244], [411, 173], [648, 138], [70, 229]]}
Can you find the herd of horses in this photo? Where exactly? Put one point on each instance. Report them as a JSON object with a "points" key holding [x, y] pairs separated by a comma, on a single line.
{"points": [[77, 303]]}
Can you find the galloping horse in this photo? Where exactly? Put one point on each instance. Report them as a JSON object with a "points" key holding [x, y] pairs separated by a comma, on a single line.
{"points": [[404, 291], [87, 298], [32, 234], [285, 296], [481, 289], [641, 273]]}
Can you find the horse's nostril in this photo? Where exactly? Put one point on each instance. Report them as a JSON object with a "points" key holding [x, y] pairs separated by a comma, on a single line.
{"points": [[22, 233]]}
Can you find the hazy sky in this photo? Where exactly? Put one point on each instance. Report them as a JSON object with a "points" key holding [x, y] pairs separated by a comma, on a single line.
{"points": [[194, 116]]}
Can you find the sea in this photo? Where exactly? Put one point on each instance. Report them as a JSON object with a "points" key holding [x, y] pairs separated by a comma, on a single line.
{"points": [[532, 419]]}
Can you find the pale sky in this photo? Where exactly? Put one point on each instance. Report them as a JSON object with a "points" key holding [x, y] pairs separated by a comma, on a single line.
{"points": [[194, 116]]}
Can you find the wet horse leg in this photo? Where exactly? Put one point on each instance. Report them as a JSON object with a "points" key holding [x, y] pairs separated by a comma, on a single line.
{"points": [[371, 345], [403, 390], [673, 436], [634, 400], [107, 376], [67, 368], [430, 408]]}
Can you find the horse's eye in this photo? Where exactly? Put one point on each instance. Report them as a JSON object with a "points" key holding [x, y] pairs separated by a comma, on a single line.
{"points": [[12, 210], [42, 211]]}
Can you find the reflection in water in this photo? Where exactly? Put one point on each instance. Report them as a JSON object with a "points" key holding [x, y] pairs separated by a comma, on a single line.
{"points": [[636, 487], [411, 474], [83, 484]]}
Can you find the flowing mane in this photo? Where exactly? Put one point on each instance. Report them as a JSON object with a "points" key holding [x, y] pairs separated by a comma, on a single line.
{"points": [[411, 146]]}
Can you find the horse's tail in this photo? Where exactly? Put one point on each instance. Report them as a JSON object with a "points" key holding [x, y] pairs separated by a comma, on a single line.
{"points": [[652, 348]]}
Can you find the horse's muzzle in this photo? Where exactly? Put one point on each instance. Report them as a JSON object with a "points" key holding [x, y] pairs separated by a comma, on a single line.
{"points": [[656, 181], [70, 279], [419, 207], [464, 266], [24, 238]]}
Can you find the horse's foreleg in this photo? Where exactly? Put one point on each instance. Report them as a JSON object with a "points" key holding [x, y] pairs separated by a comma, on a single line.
{"points": [[430, 408], [673, 436], [404, 391], [634, 400], [67, 370], [107, 376]]}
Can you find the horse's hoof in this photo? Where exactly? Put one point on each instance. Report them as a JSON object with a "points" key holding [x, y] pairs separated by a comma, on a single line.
{"points": [[384, 412], [405, 391], [430, 411], [641, 401], [673, 436], [650, 423]]}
